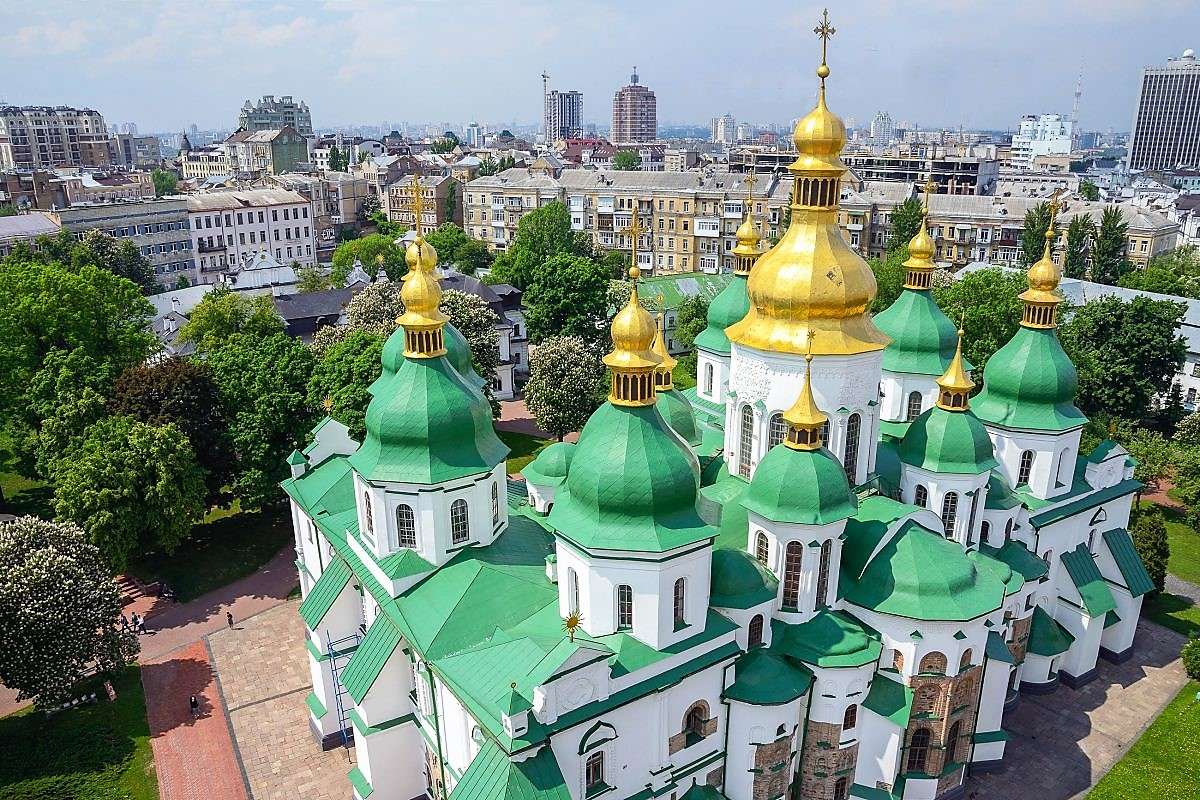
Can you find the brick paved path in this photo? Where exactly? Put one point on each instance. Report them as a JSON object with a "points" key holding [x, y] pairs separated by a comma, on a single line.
{"points": [[1063, 743], [264, 675]]}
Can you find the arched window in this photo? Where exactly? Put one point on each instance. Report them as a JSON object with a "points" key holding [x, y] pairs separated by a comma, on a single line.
{"points": [[840, 789], [850, 454], [459, 529], [593, 773], [791, 574], [850, 718], [679, 604], [918, 751], [964, 663], [898, 661], [952, 742], [1025, 468], [933, 664], [624, 607], [823, 575], [1007, 530], [921, 496], [745, 441], [756, 631], [776, 431], [573, 590], [708, 379], [406, 526], [495, 503], [1065, 464], [694, 719], [914, 406], [368, 517], [949, 512], [984, 529], [761, 548]]}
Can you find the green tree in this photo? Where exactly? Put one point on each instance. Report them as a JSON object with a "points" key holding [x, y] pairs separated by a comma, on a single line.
{"points": [[627, 160], [341, 376], [182, 282], [1190, 654], [488, 166], [1126, 353], [164, 182], [506, 162], [222, 314], [1109, 262], [451, 205], [1153, 452], [99, 249], [181, 392], [367, 250], [131, 487], [889, 276], [567, 297], [564, 383], [7, 210], [369, 205], [690, 320], [907, 219], [1089, 190], [385, 227], [66, 396], [1176, 272], [616, 264], [446, 239], [338, 161], [376, 308], [264, 384], [443, 145], [1033, 233], [59, 611], [1079, 235], [474, 319], [541, 235], [472, 256], [311, 279], [986, 301], [1170, 413], [1150, 541]]}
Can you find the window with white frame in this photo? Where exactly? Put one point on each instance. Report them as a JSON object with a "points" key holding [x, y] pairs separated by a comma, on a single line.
{"points": [[406, 526], [624, 607], [459, 529]]}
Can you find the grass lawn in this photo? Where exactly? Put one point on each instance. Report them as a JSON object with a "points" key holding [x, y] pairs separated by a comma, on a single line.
{"points": [[20, 495], [1163, 763], [1185, 547], [96, 752], [1174, 612], [524, 449], [227, 545]]}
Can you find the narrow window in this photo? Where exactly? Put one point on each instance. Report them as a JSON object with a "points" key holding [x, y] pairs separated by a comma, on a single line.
{"points": [[952, 743], [840, 789], [756, 631], [459, 530], [791, 574], [932, 664], [624, 607], [984, 529], [898, 661], [761, 549], [368, 517], [850, 458], [777, 430], [573, 590], [1025, 468], [964, 663], [949, 512], [823, 575], [679, 604], [708, 379], [918, 751], [693, 721], [825, 433], [921, 496], [746, 439], [594, 773], [406, 526], [850, 719], [495, 503], [914, 405], [1007, 530]]}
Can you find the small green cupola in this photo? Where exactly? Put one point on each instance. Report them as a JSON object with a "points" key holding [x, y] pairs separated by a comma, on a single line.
{"points": [[674, 407], [732, 304]]}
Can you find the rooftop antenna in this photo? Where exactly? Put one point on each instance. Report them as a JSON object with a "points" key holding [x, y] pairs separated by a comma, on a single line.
{"points": [[1075, 107]]}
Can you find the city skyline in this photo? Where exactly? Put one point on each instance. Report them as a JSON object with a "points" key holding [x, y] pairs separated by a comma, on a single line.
{"points": [[156, 65]]}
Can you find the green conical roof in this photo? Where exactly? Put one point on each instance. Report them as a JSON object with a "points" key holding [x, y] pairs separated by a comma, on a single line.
{"points": [[728, 307], [1030, 383], [763, 678], [923, 337], [632, 485], [737, 580], [805, 486], [425, 424], [458, 353], [677, 411], [954, 442], [551, 465]]}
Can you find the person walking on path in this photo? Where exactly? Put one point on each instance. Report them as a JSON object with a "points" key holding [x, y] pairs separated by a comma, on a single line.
{"points": [[229, 619], [194, 706]]}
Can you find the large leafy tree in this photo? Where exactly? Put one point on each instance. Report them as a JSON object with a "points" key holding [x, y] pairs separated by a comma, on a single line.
{"points": [[566, 297], [691, 319], [906, 221], [1175, 272], [987, 305], [181, 392], [627, 160], [264, 384], [222, 314], [1079, 236], [132, 487], [341, 376], [368, 250], [164, 182], [1151, 542], [1033, 233], [541, 234], [311, 279], [455, 248], [1126, 352], [476, 321], [99, 249], [1109, 262], [488, 166], [59, 611], [889, 277], [564, 384], [1089, 190]]}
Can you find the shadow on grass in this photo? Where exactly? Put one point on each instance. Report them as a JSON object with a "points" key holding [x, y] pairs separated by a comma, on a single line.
{"points": [[1172, 611], [523, 448], [31, 500]]}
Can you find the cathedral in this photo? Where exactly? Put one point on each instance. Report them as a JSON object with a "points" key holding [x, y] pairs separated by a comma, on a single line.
{"points": [[824, 573]]}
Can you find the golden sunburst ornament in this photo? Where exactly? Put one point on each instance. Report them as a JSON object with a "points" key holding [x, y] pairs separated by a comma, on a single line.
{"points": [[572, 623]]}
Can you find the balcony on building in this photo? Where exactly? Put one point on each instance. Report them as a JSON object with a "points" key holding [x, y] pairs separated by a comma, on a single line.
{"points": [[708, 226]]}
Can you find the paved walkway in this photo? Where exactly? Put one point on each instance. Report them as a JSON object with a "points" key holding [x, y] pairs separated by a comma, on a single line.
{"points": [[265, 677], [1063, 743], [515, 416]]}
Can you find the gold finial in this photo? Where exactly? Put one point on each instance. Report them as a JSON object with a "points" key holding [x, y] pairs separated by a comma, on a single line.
{"points": [[746, 251], [632, 362], [930, 191], [418, 203], [422, 319], [804, 419], [955, 384], [572, 623], [750, 180], [664, 380], [825, 31], [1041, 298]]}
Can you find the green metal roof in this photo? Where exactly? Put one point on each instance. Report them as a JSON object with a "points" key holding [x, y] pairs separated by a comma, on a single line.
{"points": [[492, 775], [551, 465], [997, 649], [737, 580], [404, 563], [1120, 544], [890, 700], [677, 411], [1097, 597], [707, 410], [1000, 494], [1111, 618], [1017, 556], [702, 791], [1088, 501], [632, 485], [296, 458], [829, 639], [725, 309], [1046, 636], [801, 486], [888, 467], [953, 442], [369, 659], [1030, 383], [458, 353], [362, 787], [923, 337], [867, 529], [893, 430], [668, 292], [324, 592], [1012, 580], [764, 679]]}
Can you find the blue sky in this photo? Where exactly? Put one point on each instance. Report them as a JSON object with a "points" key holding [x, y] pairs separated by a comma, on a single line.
{"points": [[934, 62]]}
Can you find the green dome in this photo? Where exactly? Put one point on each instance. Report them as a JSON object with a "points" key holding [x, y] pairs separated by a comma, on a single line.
{"points": [[806, 486], [632, 485], [425, 424], [1030, 383], [677, 411], [458, 353], [921, 575], [762, 678], [923, 337], [551, 465], [829, 639], [944, 441], [737, 580], [728, 307]]}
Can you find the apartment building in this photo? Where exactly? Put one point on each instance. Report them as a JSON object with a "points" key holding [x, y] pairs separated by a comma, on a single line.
{"points": [[203, 162], [231, 226], [133, 151], [60, 188], [271, 114], [157, 226], [1042, 135], [25, 229], [268, 152], [635, 113], [441, 200], [47, 137]]}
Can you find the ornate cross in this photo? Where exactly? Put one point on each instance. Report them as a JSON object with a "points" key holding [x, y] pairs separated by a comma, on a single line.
{"points": [[418, 201], [1055, 205], [930, 191], [750, 179], [824, 30]]}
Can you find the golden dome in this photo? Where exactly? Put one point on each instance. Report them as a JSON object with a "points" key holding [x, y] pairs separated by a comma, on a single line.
{"points": [[955, 383], [921, 247], [666, 361], [804, 419], [819, 137], [633, 332], [1041, 299], [421, 293], [747, 237], [420, 253]]}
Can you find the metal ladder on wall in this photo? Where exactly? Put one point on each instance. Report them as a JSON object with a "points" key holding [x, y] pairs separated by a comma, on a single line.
{"points": [[339, 652]]}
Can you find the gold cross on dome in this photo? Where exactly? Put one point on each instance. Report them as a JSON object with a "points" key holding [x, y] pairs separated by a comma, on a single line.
{"points": [[634, 230], [824, 30], [750, 179], [930, 191], [418, 201]]}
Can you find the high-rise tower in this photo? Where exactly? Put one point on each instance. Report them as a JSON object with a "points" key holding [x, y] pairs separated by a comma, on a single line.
{"points": [[1166, 120], [635, 113]]}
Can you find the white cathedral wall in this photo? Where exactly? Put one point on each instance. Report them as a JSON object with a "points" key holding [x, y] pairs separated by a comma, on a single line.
{"points": [[720, 375], [935, 637], [1054, 458], [388, 697], [991, 708], [895, 389], [323, 690], [392, 761], [1081, 657], [1119, 637], [455, 725], [750, 726], [878, 749], [938, 485], [809, 537]]}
